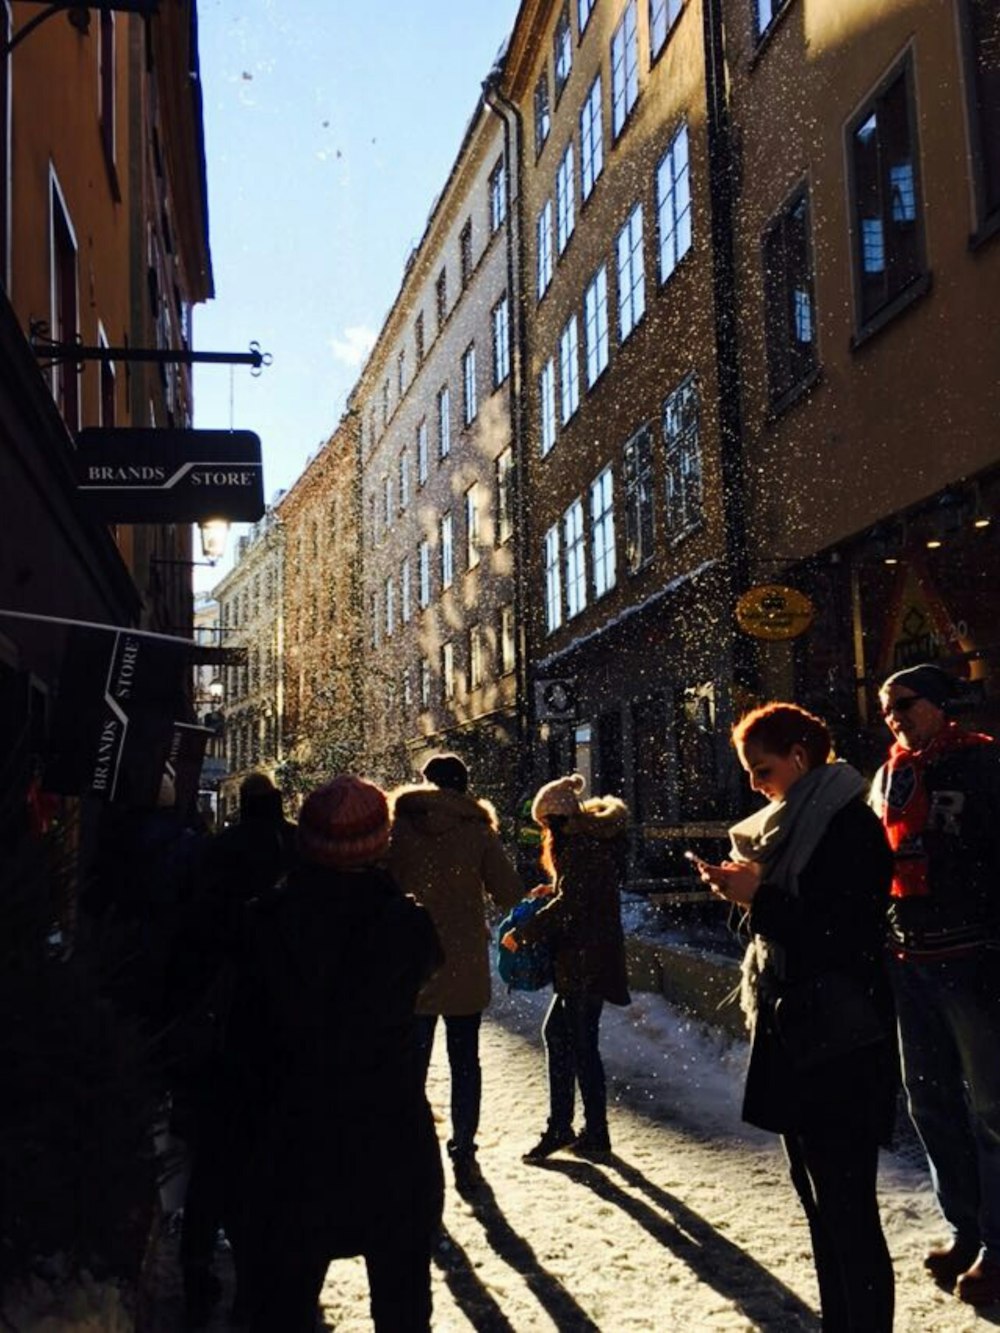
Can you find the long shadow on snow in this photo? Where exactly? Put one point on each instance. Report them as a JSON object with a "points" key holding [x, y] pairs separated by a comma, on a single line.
{"points": [[467, 1288], [713, 1259], [515, 1251]]}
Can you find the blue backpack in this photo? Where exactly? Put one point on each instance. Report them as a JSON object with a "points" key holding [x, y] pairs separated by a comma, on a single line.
{"points": [[529, 966]]}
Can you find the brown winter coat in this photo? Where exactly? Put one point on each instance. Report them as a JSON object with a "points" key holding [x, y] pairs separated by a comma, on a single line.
{"points": [[446, 851], [583, 922]]}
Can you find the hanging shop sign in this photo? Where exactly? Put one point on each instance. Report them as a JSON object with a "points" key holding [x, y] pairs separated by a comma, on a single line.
{"points": [[555, 700], [171, 476], [771, 611]]}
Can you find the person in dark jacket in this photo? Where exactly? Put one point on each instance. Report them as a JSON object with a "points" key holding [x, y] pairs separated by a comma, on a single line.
{"points": [[346, 1158], [939, 799], [583, 850], [238, 865], [812, 869]]}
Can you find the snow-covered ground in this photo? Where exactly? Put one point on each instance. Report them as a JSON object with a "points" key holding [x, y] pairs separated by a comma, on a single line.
{"points": [[692, 1225]]}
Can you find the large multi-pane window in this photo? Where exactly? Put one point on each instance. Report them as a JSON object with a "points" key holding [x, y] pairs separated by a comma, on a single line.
{"points": [[631, 274], [498, 196], [982, 43], [584, 9], [500, 317], [424, 573], [595, 325], [565, 204], [404, 479], [602, 532], [543, 112], [888, 246], [547, 405], [765, 13], [473, 534], [562, 50], [475, 656], [448, 669], [444, 421], [505, 496], [553, 580], [789, 320], [682, 458], [591, 139], [637, 470], [673, 203], [574, 559], [663, 14], [469, 402], [624, 68], [405, 594], [507, 650], [569, 369], [422, 452], [447, 551], [543, 243]]}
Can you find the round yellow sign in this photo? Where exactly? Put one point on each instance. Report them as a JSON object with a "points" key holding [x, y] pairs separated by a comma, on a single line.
{"points": [[771, 611]]}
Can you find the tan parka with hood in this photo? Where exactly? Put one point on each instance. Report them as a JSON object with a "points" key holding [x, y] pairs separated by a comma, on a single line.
{"points": [[445, 850]]}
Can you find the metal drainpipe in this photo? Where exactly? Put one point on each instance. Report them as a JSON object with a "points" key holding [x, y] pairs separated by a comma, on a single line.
{"points": [[721, 189], [513, 127]]}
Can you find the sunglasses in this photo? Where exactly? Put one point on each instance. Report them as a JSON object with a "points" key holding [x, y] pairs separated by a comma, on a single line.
{"points": [[901, 705]]}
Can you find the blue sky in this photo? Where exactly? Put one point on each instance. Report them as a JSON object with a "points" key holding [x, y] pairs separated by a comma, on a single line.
{"points": [[330, 127]]}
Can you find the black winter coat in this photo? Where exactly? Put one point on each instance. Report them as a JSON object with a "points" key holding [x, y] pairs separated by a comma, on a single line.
{"points": [[323, 1035], [836, 923]]}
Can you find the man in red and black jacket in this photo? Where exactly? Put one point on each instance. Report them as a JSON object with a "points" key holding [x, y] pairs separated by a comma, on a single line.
{"points": [[938, 796]]}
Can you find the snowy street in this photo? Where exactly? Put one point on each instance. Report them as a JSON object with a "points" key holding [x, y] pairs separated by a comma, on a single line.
{"points": [[691, 1226]]}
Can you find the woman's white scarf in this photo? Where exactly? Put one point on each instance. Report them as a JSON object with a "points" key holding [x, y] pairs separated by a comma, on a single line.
{"points": [[782, 837]]}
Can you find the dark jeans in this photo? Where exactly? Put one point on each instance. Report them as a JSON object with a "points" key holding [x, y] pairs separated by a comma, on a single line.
{"points": [[462, 1033], [570, 1032], [949, 1039], [834, 1173], [399, 1284]]}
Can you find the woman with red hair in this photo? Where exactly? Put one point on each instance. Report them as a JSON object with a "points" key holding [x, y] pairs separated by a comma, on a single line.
{"points": [[812, 870]]}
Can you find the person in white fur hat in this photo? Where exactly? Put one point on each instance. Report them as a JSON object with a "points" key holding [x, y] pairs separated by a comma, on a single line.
{"points": [[584, 853]]}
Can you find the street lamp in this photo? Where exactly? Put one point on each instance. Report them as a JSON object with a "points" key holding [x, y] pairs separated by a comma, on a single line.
{"points": [[214, 535]]}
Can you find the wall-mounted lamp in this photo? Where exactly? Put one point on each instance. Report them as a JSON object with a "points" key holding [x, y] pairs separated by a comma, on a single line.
{"points": [[214, 535]]}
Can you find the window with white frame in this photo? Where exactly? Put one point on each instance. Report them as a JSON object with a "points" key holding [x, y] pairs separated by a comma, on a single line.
{"points": [[444, 422], [373, 615], [505, 496], [404, 479], [574, 559], [501, 341], [422, 453], [569, 369], [448, 669], [469, 404], [389, 599], [565, 204], [475, 656], [425, 682], [637, 469], [591, 139], [789, 321], [553, 580], [595, 325], [507, 650], [682, 459], [663, 14], [447, 551], [405, 598], [624, 68], [562, 50], [602, 533], [673, 203], [472, 526], [498, 196], [631, 274], [547, 405], [584, 9], [543, 237], [543, 112], [424, 573]]}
